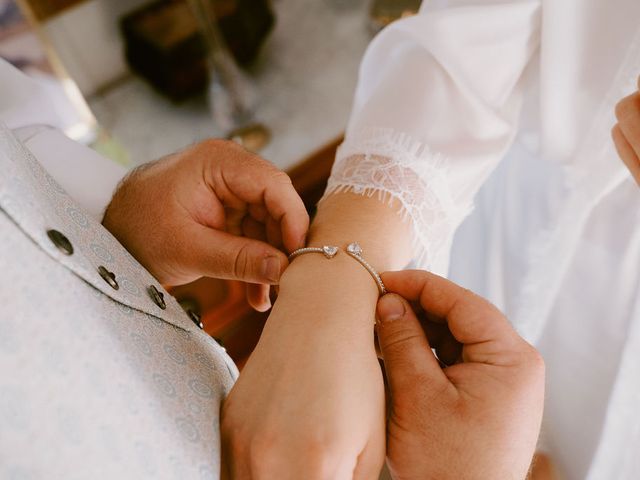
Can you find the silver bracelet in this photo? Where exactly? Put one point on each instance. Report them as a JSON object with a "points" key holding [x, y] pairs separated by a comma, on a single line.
{"points": [[354, 250]]}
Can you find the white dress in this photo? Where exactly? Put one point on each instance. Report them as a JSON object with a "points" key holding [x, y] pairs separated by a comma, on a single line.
{"points": [[490, 121]]}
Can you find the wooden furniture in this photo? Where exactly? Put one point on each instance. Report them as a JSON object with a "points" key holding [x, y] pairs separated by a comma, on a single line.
{"points": [[45, 9], [225, 313]]}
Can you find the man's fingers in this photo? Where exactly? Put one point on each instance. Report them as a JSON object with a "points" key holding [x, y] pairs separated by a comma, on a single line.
{"points": [[243, 176], [222, 255], [258, 296], [258, 212], [471, 319], [628, 115], [251, 228], [274, 233], [285, 205], [626, 152], [406, 352]]}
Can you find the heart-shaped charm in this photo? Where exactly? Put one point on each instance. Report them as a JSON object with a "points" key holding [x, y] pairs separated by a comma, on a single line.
{"points": [[329, 251], [354, 248]]}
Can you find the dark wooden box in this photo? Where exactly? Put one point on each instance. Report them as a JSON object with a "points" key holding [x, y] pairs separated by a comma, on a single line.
{"points": [[164, 45]]}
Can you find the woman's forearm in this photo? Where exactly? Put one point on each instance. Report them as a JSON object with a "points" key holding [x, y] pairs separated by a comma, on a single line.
{"points": [[312, 391]]}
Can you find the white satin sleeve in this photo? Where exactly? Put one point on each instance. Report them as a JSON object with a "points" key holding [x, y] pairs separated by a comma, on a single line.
{"points": [[435, 109], [25, 108]]}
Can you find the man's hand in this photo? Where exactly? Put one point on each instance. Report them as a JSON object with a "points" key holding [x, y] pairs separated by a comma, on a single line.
{"points": [[626, 133], [478, 418], [213, 210]]}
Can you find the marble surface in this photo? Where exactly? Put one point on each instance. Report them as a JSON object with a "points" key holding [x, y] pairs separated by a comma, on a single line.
{"points": [[305, 78]]}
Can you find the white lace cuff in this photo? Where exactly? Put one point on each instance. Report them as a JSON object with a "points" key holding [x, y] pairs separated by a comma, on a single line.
{"points": [[392, 165]]}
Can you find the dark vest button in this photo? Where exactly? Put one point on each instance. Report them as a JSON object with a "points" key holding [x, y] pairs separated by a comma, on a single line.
{"points": [[108, 277], [195, 318], [60, 241], [157, 296]]}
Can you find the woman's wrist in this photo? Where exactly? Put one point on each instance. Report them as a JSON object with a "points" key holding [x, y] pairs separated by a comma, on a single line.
{"points": [[327, 291], [343, 218], [339, 293]]}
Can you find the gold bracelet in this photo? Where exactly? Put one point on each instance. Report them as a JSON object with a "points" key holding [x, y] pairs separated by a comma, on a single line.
{"points": [[354, 250]]}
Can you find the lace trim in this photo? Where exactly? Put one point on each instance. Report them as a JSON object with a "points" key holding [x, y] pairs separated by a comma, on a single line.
{"points": [[392, 165]]}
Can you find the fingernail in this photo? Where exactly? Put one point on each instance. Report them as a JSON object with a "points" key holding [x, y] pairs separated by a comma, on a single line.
{"points": [[390, 308], [267, 301], [271, 269]]}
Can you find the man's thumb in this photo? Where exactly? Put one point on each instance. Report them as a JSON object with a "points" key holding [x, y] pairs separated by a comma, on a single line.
{"points": [[405, 349], [223, 255]]}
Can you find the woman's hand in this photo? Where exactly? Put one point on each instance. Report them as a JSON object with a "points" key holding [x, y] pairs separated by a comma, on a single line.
{"points": [[626, 133], [213, 210], [310, 401]]}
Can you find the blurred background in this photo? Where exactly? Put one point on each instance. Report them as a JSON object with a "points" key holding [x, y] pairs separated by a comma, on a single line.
{"points": [[138, 79]]}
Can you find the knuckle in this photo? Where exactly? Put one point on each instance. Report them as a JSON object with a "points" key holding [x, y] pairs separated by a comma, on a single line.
{"points": [[242, 263], [490, 307], [252, 161], [468, 293], [319, 458], [221, 150], [212, 144], [394, 340], [536, 360], [268, 455], [531, 364], [616, 132], [212, 141], [618, 109], [626, 108], [280, 177]]}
